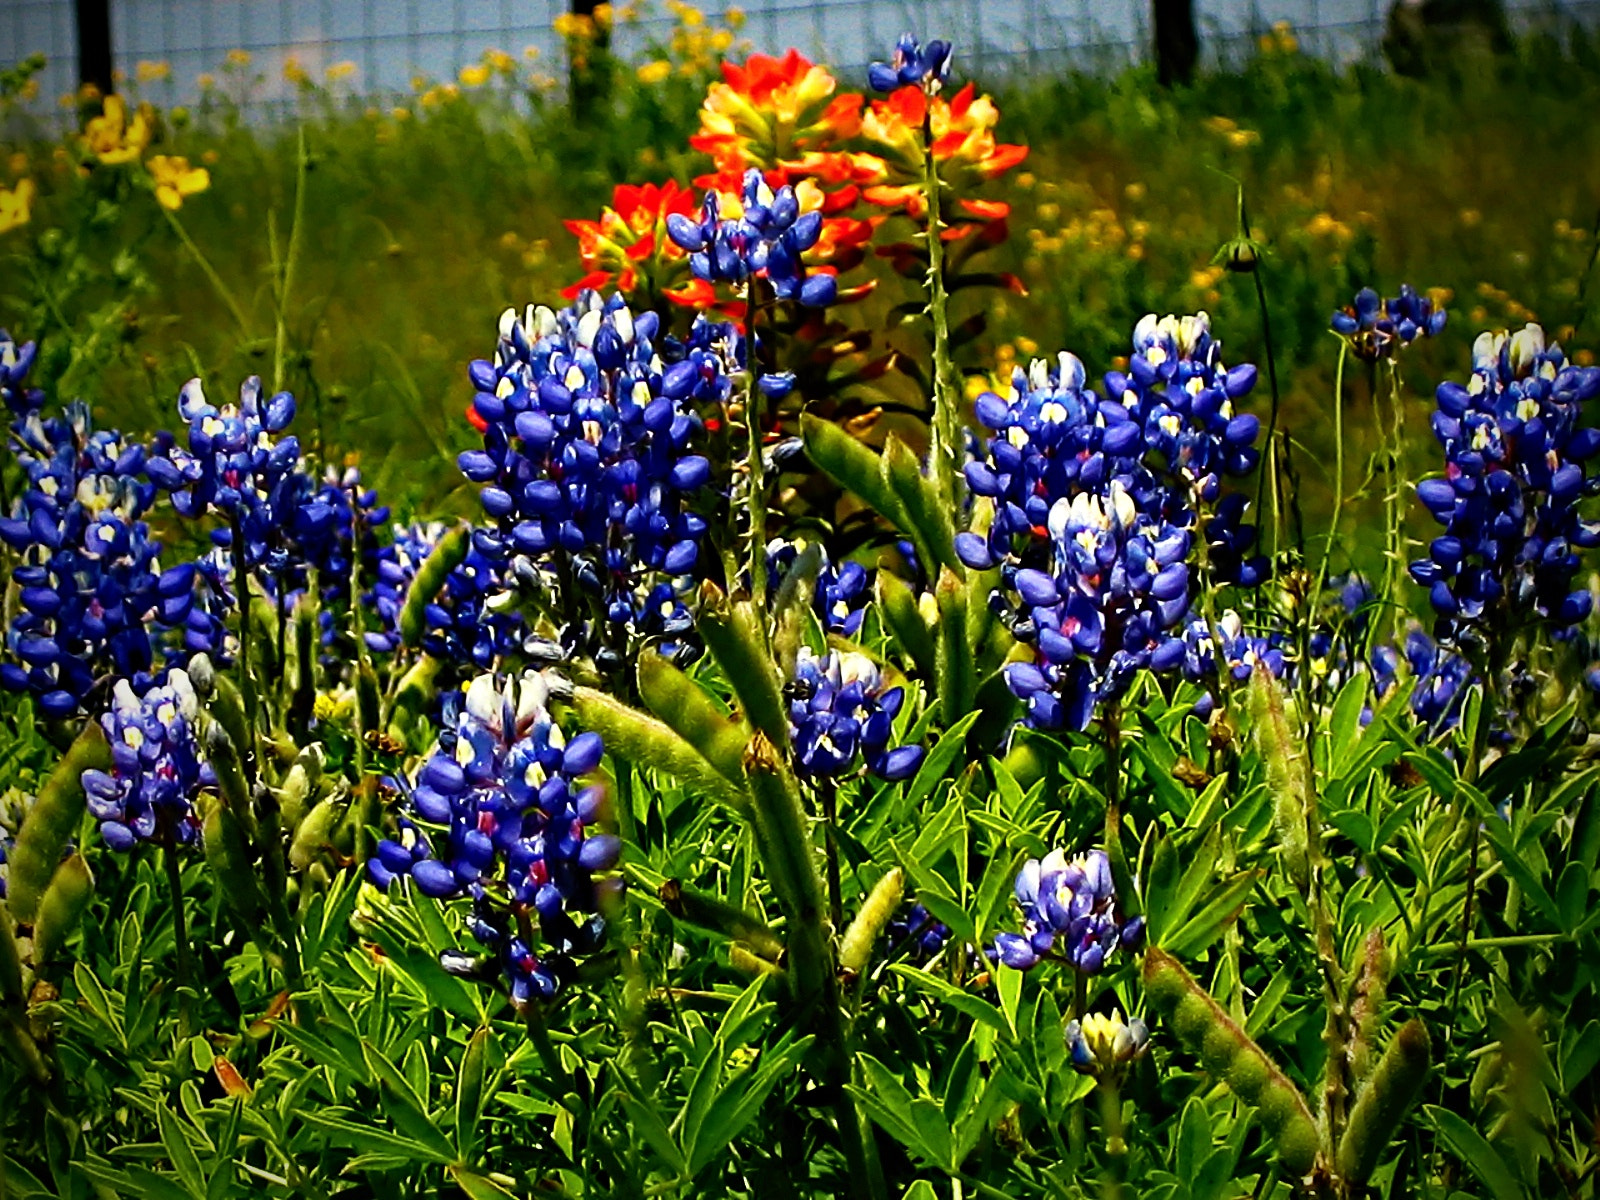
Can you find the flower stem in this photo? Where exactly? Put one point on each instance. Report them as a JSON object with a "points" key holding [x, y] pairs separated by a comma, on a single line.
{"points": [[286, 273], [241, 587], [946, 430], [180, 936], [830, 821], [1272, 380], [209, 271], [758, 482]]}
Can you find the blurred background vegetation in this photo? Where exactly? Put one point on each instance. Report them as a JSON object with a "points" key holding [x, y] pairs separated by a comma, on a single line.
{"points": [[420, 221]]}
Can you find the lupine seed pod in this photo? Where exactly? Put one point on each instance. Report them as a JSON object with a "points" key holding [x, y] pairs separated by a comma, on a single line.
{"points": [[732, 632], [224, 756], [448, 554], [227, 851], [920, 503], [61, 908], [747, 962], [958, 677], [304, 629], [314, 835], [295, 796], [368, 696], [898, 607], [1383, 1102], [10, 961], [855, 949], [1230, 1054], [264, 662], [1291, 805], [717, 916], [856, 468], [34, 857], [691, 713], [642, 740], [792, 607], [1366, 1002], [412, 697], [226, 707]]}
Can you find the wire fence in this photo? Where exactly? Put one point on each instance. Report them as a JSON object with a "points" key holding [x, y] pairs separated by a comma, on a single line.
{"points": [[379, 47]]}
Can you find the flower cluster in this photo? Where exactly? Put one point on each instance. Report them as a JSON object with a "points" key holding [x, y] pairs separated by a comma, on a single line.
{"points": [[1516, 456], [1068, 914], [778, 113], [1440, 680], [1376, 328], [90, 587], [15, 364], [518, 822], [157, 768], [586, 463], [765, 239], [919, 933], [235, 465], [963, 146], [913, 66], [628, 248], [842, 589], [841, 710], [1104, 1045]]}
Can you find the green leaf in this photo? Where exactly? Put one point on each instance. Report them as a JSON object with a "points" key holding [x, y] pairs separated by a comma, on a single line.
{"points": [[478, 1187], [376, 1141], [647, 1123], [740, 1100], [936, 767], [949, 994], [180, 1153], [469, 1092], [1220, 911], [403, 1106], [1469, 1146]]}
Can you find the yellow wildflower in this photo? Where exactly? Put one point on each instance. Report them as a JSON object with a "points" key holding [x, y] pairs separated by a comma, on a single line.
{"points": [[652, 73], [30, 90], [576, 26], [603, 15], [16, 205], [207, 81], [175, 178], [500, 61], [474, 76], [17, 164], [734, 17], [149, 72], [294, 73], [112, 138], [1470, 217], [238, 58], [341, 70], [1219, 124], [1240, 138]]}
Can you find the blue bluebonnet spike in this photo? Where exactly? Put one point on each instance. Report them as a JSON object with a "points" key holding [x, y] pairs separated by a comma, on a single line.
{"points": [[1377, 328], [518, 833], [842, 714], [926, 67], [1068, 914]]}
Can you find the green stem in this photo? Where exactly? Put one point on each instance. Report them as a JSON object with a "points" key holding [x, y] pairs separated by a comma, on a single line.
{"points": [[286, 276], [758, 482], [1395, 500], [180, 935], [1114, 1166], [1272, 375], [210, 272], [946, 431], [830, 822], [1338, 470], [241, 586]]}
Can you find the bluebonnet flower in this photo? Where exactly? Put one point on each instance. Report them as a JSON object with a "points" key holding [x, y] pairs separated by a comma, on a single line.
{"points": [[766, 240], [840, 711], [919, 932], [469, 621], [1376, 328], [926, 67], [1104, 1045], [157, 768], [15, 363], [90, 586], [1516, 471], [1068, 914], [518, 832], [5, 844], [1229, 646], [236, 465], [1441, 678], [586, 465]]}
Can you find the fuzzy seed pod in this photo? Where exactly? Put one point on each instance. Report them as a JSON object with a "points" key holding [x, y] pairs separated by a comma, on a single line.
{"points": [[792, 604], [36, 855], [264, 664], [692, 714], [958, 675], [856, 468], [61, 908], [314, 835], [10, 961], [733, 633], [1383, 1102], [925, 515], [855, 951], [226, 707], [224, 756], [748, 963], [294, 796], [646, 742], [412, 697], [898, 606], [1366, 1002], [368, 697], [1230, 1054], [448, 554], [1291, 804], [232, 869], [717, 916]]}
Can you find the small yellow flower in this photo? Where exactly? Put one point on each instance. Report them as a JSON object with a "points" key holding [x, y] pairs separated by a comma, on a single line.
{"points": [[1219, 124], [500, 62], [652, 73], [175, 178], [474, 76], [16, 205], [575, 26], [1470, 217], [17, 164], [603, 15], [1240, 138], [294, 73], [30, 90], [1135, 191], [531, 53], [149, 72], [207, 81], [114, 139], [400, 112], [209, 157], [734, 17], [341, 70], [238, 58]]}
